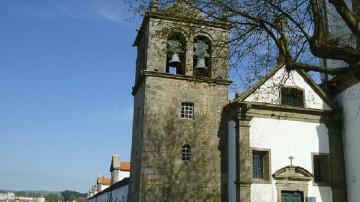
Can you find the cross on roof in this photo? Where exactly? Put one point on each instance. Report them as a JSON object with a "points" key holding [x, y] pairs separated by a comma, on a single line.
{"points": [[291, 159]]}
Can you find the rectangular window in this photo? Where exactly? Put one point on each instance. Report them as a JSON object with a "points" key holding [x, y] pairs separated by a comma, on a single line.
{"points": [[292, 97], [186, 153], [260, 165], [187, 110], [321, 168]]}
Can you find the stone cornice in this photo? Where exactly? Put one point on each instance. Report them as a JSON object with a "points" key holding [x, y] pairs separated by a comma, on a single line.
{"points": [[247, 110], [160, 15], [146, 73]]}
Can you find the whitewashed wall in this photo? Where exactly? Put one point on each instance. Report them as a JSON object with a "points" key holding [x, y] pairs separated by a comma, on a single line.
{"points": [[288, 138], [116, 195], [102, 197], [269, 92], [120, 195], [103, 186], [123, 174], [350, 102]]}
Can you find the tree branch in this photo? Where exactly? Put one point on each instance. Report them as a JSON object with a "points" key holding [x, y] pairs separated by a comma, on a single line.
{"points": [[290, 18], [322, 69], [351, 20], [320, 44]]}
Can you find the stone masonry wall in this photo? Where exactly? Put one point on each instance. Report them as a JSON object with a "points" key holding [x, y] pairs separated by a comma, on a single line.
{"points": [[138, 121], [164, 176]]}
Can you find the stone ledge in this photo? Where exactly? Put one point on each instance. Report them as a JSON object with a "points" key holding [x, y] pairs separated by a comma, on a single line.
{"points": [[146, 73]]}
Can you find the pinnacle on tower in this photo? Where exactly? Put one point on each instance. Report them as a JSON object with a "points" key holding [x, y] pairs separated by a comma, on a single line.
{"points": [[153, 5]]}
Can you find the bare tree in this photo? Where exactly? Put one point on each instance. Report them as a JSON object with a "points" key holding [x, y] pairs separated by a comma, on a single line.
{"points": [[266, 32]]}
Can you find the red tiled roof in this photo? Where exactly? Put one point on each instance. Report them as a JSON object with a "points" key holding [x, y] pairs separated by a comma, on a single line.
{"points": [[116, 185], [125, 166], [105, 181]]}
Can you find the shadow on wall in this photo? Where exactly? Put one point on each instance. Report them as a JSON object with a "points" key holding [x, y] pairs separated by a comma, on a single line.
{"points": [[329, 169], [222, 146], [317, 164]]}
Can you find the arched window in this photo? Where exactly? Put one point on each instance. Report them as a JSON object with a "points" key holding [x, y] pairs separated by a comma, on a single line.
{"points": [[186, 152], [175, 63], [202, 56]]}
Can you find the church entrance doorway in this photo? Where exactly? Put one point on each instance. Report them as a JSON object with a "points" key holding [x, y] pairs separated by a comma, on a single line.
{"points": [[291, 196]]}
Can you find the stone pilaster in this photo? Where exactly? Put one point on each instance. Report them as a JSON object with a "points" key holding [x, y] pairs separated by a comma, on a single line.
{"points": [[337, 164], [244, 152]]}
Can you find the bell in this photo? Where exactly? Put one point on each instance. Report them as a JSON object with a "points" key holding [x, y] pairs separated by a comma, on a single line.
{"points": [[175, 60], [200, 63]]}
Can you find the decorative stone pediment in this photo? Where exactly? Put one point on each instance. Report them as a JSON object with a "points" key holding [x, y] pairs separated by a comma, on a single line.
{"points": [[293, 173]]}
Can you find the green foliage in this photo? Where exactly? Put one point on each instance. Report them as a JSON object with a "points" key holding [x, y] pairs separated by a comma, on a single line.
{"points": [[53, 197], [20, 193], [72, 195], [81, 199]]}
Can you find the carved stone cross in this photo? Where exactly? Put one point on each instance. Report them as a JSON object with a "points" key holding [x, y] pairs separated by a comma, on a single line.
{"points": [[291, 159]]}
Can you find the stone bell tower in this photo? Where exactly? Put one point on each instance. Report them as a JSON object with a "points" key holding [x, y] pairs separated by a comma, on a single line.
{"points": [[180, 89]]}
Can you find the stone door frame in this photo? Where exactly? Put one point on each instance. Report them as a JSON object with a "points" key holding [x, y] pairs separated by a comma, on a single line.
{"points": [[294, 179], [291, 186]]}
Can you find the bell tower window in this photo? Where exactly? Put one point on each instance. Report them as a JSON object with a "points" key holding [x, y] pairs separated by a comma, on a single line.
{"points": [[202, 56], [175, 63]]}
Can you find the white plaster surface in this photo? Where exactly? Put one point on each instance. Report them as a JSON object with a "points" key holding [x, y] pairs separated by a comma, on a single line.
{"points": [[350, 102], [288, 138], [116, 195], [269, 92], [120, 194], [323, 194], [123, 174], [102, 187], [263, 193]]}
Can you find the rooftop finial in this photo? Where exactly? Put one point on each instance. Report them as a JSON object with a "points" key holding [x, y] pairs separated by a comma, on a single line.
{"points": [[153, 5], [291, 160]]}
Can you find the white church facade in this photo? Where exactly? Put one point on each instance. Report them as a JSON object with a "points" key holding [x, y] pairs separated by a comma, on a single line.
{"points": [[286, 137]]}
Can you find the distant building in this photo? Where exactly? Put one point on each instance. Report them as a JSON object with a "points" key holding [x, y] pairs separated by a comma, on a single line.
{"points": [[29, 199], [117, 192], [119, 170], [114, 188], [10, 196], [102, 183]]}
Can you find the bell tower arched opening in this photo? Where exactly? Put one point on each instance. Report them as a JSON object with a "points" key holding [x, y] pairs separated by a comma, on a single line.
{"points": [[176, 57], [202, 56]]}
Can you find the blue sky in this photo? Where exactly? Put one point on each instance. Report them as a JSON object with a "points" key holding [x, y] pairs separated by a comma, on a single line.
{"points": [[66, 72]]}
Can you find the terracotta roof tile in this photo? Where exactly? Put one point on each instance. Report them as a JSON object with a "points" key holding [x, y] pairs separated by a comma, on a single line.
{"points": [[116, 185], [125, 166], [105, 181]]}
